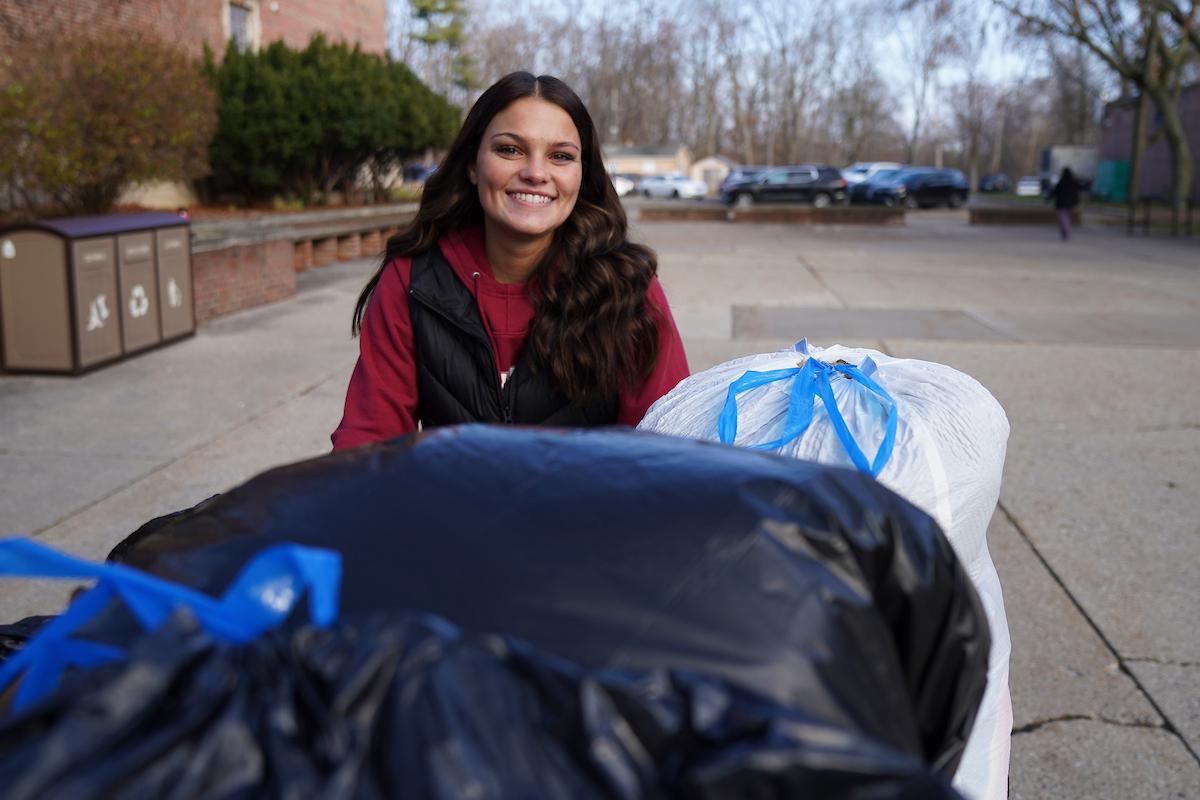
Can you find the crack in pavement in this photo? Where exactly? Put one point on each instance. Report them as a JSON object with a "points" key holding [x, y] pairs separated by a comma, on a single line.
{"points": [[821, 281], [1121, 662], [1183, 426], [1165, 662], [1041, 723]]}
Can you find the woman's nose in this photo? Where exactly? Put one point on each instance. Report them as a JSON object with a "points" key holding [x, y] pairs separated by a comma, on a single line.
{"points": [[534, 171]]}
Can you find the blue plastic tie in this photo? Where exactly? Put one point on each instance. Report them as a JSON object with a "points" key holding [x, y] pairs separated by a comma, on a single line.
{"points": [[810, 381], [261, 598]]}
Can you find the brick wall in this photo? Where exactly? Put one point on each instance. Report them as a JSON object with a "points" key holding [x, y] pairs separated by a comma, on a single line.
{"points": [[190, 23], [362, 21], [237, 278]]}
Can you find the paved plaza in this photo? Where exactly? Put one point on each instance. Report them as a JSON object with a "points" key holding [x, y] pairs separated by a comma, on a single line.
{"points": [[1092, 347]]}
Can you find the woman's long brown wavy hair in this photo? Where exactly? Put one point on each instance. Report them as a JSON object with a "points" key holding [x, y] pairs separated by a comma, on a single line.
{"points": [[593, 327]]}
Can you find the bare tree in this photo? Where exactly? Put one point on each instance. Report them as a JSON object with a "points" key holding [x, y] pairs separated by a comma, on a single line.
{"points": [[788, 71], [860, 111], [1148, 43], [799, 80], [928, 34], [973, 97], [1077, 88]]}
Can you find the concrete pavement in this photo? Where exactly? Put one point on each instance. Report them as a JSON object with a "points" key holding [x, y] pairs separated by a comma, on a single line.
{"points": [[1092, 347]]}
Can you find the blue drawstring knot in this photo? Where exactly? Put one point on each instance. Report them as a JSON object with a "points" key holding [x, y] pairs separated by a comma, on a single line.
{"points": [[811, 380], [262, 597]]}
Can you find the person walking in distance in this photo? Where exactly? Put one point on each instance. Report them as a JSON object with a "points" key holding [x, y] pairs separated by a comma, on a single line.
{"points": [[1066, 196]]}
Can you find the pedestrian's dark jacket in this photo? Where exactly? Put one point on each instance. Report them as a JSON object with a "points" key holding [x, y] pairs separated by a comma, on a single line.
{"points": [[1065, 192]]}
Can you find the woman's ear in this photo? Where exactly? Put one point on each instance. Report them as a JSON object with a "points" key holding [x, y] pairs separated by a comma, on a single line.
{"points": [[471, 175]]}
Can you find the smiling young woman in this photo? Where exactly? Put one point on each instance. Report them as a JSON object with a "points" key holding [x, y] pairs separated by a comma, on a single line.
{"points": [[528, 174], [515, 295]]}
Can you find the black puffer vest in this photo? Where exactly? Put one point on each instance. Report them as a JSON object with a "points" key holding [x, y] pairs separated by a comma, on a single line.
{"points": [[457, 377]]}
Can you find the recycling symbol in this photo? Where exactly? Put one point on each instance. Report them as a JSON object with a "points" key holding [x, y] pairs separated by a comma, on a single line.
{"points": [[174, 294], [97, 313], [139, 303]]}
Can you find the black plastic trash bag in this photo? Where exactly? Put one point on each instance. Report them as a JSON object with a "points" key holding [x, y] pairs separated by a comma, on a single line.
{"points": [[14, 635], [814, 587], [779, 628], [405, 706]]}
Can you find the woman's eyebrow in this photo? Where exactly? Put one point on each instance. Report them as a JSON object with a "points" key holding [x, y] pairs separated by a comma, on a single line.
{"points": [[520, 138]]}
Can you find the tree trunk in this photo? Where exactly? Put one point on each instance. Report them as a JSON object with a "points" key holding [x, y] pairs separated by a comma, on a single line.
{"points": [[912, 140], [1135, 157], [1181, 158], [998, 144], [1139, 122], [973, 165]]}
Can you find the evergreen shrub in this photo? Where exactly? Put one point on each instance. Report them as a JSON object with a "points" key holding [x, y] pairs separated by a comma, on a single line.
{"points": [[302, 124]]}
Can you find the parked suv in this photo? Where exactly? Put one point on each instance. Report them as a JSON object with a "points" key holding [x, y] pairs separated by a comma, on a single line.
{"points": [[743, 174], [921, 187], [862, 192], [818, 184], [865, 170]]}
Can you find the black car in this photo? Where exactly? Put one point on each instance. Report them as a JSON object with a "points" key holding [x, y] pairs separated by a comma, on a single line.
{"points": [[745, 174], [920, 187], [861, 192], [818, 184]]}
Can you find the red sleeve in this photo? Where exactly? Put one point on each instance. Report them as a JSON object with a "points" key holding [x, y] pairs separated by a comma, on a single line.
{"points": [[381, 401], [670, 368]]}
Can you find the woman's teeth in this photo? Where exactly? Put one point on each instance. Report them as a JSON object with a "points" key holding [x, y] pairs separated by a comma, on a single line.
{"points": [[536, 199]]}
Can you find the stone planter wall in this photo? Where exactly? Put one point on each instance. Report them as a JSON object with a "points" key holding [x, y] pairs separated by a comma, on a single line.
{"points": [[241, 264]]}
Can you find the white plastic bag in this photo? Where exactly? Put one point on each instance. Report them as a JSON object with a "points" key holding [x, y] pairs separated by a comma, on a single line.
{"points": [[947, 445]]}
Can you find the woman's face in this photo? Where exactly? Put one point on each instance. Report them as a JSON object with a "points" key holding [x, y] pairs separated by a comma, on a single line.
{"points": [[528, 170]]}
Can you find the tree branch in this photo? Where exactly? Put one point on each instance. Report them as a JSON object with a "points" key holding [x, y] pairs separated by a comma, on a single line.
{"points": [[1187, 22]]}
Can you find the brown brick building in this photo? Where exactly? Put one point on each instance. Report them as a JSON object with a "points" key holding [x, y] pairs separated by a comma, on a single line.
{"points": [[191, 23], [1116, 142]]}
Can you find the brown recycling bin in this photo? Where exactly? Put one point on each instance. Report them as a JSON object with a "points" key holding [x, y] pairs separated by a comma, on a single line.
{"points": [[174, 253], [77, 293]]}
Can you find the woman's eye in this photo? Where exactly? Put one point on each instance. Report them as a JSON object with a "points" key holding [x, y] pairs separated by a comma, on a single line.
{"points": [[563, 157], [507, 150]]}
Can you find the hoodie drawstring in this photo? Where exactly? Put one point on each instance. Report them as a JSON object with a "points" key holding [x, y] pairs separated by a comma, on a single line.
{"points": [[487, 327]]}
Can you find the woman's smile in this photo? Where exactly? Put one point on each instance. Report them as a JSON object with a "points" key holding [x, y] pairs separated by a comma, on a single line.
{"points": [[531, 199]]}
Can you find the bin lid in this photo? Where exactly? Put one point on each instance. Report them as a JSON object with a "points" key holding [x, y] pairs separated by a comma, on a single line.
{"points": [[83, 227]]}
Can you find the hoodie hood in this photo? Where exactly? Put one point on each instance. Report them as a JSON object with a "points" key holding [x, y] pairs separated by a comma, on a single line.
{"points": [[465, 251]]}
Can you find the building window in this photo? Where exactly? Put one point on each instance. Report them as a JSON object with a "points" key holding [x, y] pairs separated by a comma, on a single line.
{"points": [[243, 25]]}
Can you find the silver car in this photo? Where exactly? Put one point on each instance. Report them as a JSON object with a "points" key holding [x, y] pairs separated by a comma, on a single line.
{"points": [[1029, 186], [675, 185]]}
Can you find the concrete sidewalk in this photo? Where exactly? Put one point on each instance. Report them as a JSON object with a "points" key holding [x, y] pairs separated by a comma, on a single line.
{"points": [[86, 460], [1093, 348]]}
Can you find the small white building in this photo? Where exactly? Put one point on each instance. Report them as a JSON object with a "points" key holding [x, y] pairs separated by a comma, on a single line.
{"points": [[657, 159], [711, 171]]}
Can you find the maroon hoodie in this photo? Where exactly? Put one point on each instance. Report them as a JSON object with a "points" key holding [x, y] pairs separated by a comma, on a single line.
{"points": [[381, 401]]}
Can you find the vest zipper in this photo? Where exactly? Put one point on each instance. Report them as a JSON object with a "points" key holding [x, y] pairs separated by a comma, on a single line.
{"points": [[501, 387]]}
